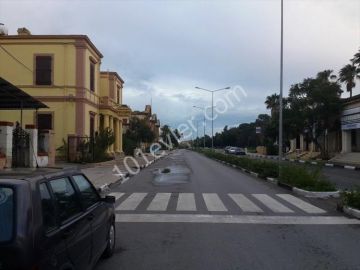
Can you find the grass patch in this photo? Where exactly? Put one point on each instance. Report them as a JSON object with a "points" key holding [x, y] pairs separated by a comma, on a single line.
{"points": [[305, 177], [351, 198]]}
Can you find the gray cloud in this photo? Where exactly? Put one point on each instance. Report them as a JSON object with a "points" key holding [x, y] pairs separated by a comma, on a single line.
{"points": [[163, 49]]}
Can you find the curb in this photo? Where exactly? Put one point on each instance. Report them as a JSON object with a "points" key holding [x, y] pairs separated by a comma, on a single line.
{"points": [[272, 180], [349, 167], [352, 212], [316, 194], [106, 187]]}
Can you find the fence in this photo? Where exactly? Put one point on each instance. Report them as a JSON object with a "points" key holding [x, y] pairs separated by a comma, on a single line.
{"points": [[80, 149]]}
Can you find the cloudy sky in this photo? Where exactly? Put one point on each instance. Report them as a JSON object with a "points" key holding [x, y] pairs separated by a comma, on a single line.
{"points": [[163, 49]]}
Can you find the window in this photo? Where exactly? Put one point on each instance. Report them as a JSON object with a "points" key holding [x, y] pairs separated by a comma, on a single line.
{"points": [[92, 125], [88, 195], [66, 199], [48, 210], [44, 121], [7, 213], [92, 76], [43, 70]]}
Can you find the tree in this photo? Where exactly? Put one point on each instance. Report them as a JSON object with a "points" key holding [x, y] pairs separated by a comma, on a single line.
{"points": [[139, 131], [356, 59], [347, 75], [170, 137], [315, 107], [272, 103]]}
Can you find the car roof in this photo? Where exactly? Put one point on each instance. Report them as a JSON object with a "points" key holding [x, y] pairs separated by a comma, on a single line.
{"points": [[36, 175]]}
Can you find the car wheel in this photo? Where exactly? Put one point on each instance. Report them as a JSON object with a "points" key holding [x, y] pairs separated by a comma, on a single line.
{"points": [[110, 247]]}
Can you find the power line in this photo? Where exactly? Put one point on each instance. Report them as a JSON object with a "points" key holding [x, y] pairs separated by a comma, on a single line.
{"points": [[17, 60]]}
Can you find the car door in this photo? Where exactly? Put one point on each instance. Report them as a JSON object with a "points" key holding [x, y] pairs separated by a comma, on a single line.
{"points": [[52, 246], [97, 209], [75, 226]]}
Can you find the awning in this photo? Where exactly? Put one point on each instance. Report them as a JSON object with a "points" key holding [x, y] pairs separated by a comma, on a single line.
{"points": [[11, 98]]}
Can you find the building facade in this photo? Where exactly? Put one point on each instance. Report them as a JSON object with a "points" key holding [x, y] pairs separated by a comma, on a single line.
{"points": [[150, 118], [350, 125], [63, 71]]}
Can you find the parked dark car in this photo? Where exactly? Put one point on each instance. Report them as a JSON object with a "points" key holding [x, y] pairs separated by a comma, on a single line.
{"points": [[57, 221], [236, 151]]}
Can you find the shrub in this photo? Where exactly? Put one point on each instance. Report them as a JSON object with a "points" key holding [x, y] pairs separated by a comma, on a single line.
{"points": [[129, 145], [305, 178], [351, 198], [103, 139]]}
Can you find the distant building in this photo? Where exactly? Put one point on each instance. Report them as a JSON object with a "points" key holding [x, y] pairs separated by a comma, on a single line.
{"points": [[150, 118], [63, 71]]}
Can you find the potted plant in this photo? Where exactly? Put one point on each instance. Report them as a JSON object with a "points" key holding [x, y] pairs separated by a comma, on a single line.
{"points": [[2, 160]]}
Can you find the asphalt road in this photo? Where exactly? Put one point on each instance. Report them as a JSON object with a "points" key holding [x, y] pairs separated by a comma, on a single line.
{"points": [[221, 218]]}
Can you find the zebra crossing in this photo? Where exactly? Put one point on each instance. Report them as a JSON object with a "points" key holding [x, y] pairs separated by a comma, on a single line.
{"points": [[212, 202]]}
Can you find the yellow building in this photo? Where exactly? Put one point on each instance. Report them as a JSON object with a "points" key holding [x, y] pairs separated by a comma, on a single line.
{"points": [[63, 71]]}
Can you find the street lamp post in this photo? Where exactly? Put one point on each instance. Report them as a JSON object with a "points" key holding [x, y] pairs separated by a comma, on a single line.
{"points": [[212, 109], [281, 83], [204, 121]]}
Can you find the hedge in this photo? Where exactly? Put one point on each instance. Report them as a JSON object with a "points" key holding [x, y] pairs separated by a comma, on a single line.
{"points": [[351, 198]]}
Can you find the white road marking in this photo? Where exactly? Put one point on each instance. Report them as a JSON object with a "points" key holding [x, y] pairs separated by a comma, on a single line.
{"points": [[213, 202], [272, 204], [132, 201], [305, 206], [160, 202], [231, 219], [186, 202], [117, 195], [245, 204]]}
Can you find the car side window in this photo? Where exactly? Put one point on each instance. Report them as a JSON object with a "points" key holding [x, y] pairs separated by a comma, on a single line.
{"points": [[66, 200], [48, 209], [88, 194]]}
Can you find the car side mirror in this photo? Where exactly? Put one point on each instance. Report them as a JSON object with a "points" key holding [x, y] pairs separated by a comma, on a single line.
{"points": [[109, 199]]}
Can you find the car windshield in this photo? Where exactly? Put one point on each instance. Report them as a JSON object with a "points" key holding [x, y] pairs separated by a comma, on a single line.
{"points": [[6, 213]]}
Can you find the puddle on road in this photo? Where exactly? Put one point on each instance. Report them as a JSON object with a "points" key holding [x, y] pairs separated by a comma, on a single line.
{"points": [[178, 175]]}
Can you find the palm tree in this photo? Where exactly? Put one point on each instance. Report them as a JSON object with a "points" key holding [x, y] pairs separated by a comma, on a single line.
{"points": [[356, 59], [347, 75], [272, 103]]}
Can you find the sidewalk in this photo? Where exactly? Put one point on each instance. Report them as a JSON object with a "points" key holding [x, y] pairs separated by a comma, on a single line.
{"points": [[104, 174]]}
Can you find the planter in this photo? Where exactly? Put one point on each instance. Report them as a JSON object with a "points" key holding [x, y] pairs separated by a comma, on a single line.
{"points": [[352, 211], [316, 194]]}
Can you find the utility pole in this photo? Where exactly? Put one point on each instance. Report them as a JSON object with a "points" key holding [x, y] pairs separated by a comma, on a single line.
{"points": [[204, 129], [281, 84]]}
